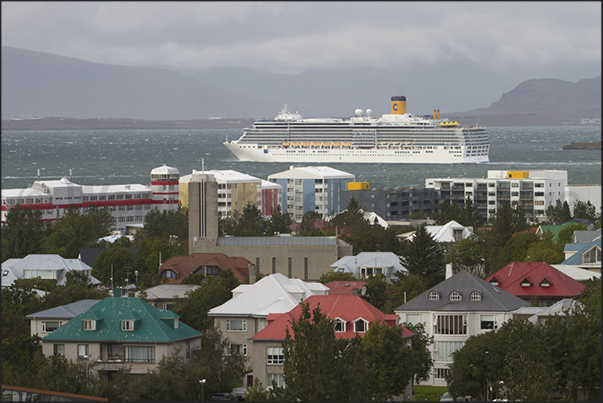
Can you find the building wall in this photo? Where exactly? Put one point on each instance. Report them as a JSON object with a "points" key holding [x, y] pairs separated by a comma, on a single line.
{"points": [[258, 361], [583, 193]]}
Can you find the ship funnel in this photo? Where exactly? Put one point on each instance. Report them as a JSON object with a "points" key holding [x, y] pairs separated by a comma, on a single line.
{"points": [[438, 114], [398, 105]]}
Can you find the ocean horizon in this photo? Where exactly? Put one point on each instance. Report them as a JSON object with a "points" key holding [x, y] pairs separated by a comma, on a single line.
{"points": [[112, 157]]}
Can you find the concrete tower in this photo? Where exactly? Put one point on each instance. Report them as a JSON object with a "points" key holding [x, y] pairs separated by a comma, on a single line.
{"points": [[202, 213]]}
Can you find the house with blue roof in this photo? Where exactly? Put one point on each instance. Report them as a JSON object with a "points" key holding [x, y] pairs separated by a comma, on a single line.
{"points": [[118, 332], [584, 255], [49, 320]]}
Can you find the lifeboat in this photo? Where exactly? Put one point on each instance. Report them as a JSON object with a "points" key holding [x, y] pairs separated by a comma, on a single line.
{"points": [[326, 144], [306, 144], [286, 144], [296, 144], [336, 144], [347, 144], [315, 144]]}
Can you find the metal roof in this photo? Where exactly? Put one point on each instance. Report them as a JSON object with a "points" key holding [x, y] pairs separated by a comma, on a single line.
{"points": [[68, 311], [277, 241]]}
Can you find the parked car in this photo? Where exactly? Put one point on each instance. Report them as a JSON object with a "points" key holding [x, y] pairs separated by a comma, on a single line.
{"points": [[223, 396]]}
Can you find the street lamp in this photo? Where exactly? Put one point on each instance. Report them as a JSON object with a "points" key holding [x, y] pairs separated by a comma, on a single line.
{"points": [[86, 358], [202, 382]]}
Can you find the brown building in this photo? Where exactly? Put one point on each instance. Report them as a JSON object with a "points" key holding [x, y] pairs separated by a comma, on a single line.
{"points": [[177, 268], [306, 258]]}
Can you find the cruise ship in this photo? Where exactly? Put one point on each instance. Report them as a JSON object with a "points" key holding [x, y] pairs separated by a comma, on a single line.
{"points": [[398, 137]]}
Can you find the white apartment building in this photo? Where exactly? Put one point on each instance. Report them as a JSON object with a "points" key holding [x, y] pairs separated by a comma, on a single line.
{"points": [[534, 191], [311, 189], [128, 204]]}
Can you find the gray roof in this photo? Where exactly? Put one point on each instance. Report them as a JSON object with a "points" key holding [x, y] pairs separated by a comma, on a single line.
{"points": [[168, 291], [68, 311], [492, 298], [587, 236], [277, 241]]}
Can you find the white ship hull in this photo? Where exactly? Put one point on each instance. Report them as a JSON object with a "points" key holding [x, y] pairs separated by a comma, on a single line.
{"points": [[396, 138], [436, 155]]}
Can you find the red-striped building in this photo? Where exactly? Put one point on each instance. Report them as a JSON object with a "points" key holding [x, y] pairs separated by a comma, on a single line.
{"points": [[128, 203]]}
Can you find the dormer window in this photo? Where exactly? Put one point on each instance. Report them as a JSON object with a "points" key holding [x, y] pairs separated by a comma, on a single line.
{"points": [[434, 296], [494, 281], [360, 326], [526, 282], [455, 296], [476, 296], [168, 274], [4, 273], [545, 283], [339, 325], [176, 323], [89, 324], [127, 325]]}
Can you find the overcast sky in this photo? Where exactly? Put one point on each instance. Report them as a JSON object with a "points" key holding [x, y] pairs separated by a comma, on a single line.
{"points": [[291, 37]]}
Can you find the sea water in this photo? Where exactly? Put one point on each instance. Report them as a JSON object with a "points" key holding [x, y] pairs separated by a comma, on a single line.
{"points": [[112, 157]]}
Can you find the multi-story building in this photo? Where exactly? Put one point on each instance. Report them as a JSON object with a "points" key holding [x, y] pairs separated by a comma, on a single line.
{"points": [[459, 307], [534, 191], [393, 204], [128, 204], [306, 258], [311, 189]]}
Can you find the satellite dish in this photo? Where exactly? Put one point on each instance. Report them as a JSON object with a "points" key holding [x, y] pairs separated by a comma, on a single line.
{"points": [[363, 291], [358, 112]]}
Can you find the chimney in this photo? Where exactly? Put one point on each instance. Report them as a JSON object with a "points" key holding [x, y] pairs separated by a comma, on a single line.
{"points": [[448, 270], [252, 273]]}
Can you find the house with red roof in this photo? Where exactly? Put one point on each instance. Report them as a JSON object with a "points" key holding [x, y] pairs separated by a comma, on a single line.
{"points": [[528, 279], [345, 287], [177, 268], [351, 315]]}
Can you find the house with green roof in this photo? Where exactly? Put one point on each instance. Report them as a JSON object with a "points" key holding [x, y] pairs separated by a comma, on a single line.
{"points": [[118, 332], [553, 229]]}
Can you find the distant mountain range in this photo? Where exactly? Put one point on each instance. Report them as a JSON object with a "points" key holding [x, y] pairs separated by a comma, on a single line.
{"points": [[38, 84]]}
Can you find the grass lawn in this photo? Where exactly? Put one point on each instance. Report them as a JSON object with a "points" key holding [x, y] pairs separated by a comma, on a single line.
{"points": [[428, 393]]}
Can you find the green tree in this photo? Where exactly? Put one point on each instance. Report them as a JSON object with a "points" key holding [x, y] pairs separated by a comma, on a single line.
{"points": [[586, 210], [307, 226], [566, 235], [559, 212], [405, 287], [167, 224], [545, 250], [251, 222], [336, 276], [515, 250], [112, 265], [377, 293], [23, 233], [279, 222], [422, 361], [469, 255], [77, 287], [507, 222], [77, 230], [195, 305], [424, 258]]}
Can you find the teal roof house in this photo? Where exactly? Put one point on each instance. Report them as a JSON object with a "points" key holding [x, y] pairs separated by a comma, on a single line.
{"points": [[117, 332]]}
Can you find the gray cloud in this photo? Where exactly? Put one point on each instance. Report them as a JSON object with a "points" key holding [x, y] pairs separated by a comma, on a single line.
{"points": [[291, 37]]}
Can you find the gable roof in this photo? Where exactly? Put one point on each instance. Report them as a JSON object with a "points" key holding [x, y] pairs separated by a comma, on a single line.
{"points": [[273, 293], [349, 308], [577, 273], [512, 275], [168, 291], [492, 299], [344, 287], [68, 311], [184, 266], [576, 258], [14, 268], [553, 229], [369, 259], [445, 233], [581, 236], [150, 328]]}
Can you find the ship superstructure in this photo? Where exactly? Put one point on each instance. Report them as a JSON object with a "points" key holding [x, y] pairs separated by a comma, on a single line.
{"points": [[398, 137]]}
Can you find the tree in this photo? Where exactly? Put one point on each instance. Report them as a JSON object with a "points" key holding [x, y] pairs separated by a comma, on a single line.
{"points": [[279, 222], [424, 258], [77, 230], [251, 222], [566, 235], [377, 293], [23, 233], [307, 226], [586, 210], [112, 265], [507, 221], [195, 305], [469, 255], [405, 287], [336, 276], [76, 288], [167, 224], [422, 360], [313, 356], [515, 250], [560, 212]]}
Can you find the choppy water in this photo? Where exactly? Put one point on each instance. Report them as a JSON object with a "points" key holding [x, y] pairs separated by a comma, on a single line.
{"points": [[105, 157]]}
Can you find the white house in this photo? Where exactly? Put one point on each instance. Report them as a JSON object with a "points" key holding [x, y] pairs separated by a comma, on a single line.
{"points": [[52, 267], [452, 231], [459, 307], [367, 264]]}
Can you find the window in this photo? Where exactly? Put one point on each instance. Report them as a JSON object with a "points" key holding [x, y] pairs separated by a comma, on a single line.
{"points": [[444, 349], [89, 324], [236, 325], [127, 325], [455, 296], [279, 379], [487, 322], [58, 349], [494, 281], [476, 296], [236, 348], [545, 283], [526, 283], [434, 296], [360, 326], [273, 265], [339, 325], [82, 350], [188, 349], [441, 373], [4, 273], [274, 355], [50, 326], [115, 352], [305, 268], [451, 324], [262, 324], [290, 268], [413, 318], [145, 354]]}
